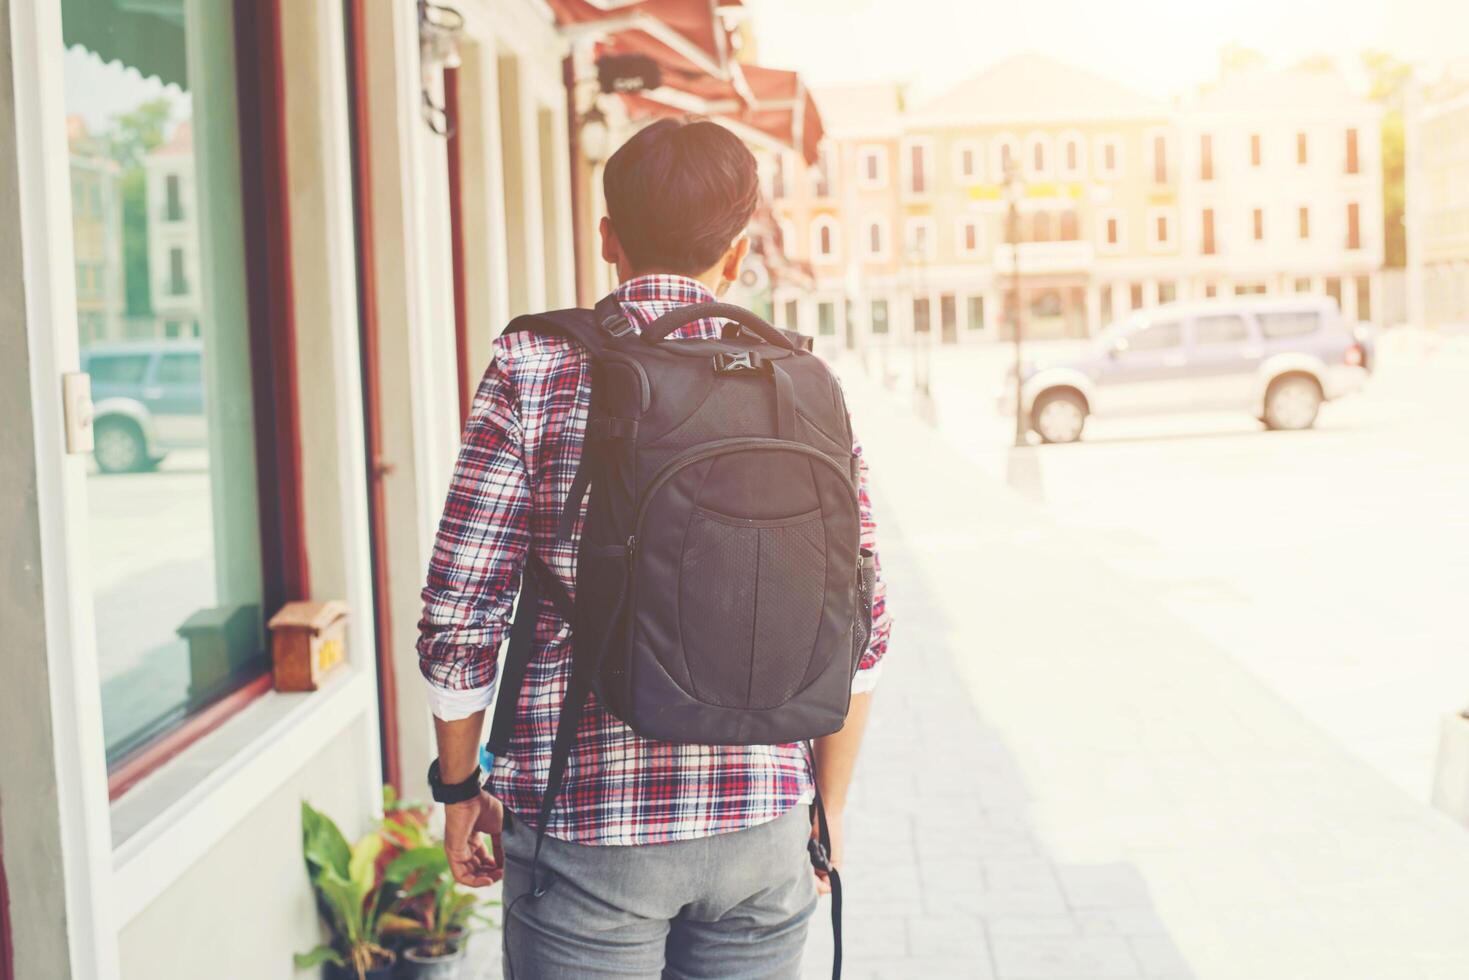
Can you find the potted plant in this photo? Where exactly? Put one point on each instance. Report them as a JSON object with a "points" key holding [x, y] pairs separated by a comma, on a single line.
{"points": [[444, 913], [361, 914]]}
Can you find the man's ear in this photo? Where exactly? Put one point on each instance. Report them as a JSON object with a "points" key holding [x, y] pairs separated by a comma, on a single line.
{"points": [[611, 247], [735, 258]]}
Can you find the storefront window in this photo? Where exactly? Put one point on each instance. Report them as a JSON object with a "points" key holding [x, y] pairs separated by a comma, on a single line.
{"points": [[162, 323]]}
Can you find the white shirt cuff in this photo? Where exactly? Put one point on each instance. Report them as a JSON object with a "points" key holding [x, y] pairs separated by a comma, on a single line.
{"points": [[865, 680], [451, 705]]}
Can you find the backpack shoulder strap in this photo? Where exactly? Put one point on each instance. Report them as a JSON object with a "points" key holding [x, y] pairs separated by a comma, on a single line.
{"points": [[589, 328]]}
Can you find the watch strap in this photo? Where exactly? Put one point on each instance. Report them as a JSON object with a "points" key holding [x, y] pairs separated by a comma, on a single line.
{"points": [[453, 792]]}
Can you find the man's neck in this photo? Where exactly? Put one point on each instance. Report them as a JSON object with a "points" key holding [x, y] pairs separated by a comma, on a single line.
{"points": [[709, 280]]}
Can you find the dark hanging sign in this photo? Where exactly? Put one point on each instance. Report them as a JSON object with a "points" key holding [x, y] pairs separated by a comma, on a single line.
{"points": [[628, 73]]}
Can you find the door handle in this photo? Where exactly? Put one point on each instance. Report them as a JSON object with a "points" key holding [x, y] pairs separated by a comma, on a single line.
{"points": [[77, 411]]}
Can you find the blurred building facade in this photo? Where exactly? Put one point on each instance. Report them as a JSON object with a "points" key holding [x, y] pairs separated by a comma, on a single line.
{"points": [[1123, 203], [1438, 204], [345, 202]]}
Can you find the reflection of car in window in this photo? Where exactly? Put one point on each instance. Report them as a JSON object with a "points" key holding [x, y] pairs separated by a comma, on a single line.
{"points": [[1277, 358], [149, 400]]}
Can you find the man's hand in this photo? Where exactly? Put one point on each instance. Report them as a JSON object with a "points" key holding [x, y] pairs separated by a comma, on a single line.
{"points": [[834, 855], [470, 861]]}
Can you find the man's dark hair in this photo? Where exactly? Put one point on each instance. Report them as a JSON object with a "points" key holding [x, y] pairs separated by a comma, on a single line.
{"points": [[678, 193]]}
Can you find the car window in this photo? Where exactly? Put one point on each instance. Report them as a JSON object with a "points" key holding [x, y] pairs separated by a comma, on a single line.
{"points": [[1220, 330], [179, 369], [118, 369], [1289, 323], [1156, 336]]}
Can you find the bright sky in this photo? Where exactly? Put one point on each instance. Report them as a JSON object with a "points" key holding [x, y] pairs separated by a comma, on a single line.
{"points": [[1158, 47]]}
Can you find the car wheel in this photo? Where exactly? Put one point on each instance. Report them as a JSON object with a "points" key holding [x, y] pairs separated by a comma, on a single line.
{"points": [[1058, 416], [1292, 402], [118, 447]]}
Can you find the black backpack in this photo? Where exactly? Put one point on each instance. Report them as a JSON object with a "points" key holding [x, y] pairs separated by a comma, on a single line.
{"points": [[722, 595]]}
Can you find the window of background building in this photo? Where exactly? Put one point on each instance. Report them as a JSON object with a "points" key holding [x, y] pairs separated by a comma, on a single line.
{"points": [[824, 237], [1162, 229], [1135, 295], [778, 176], [826, 318], [1114, 230], [966, 160], [1039, 163], [1303, 284], [1211, 290], [1353, 162], [1167, 291], [876, 244], [1220, 330], [179, 584], [821, 174], [873, 166], [920, 315], [918, 168], [1040, 226], [792, 315], [1256, 156], [1354, 225], [1104, 304], [975, 311], [1160, 159], [1250, 289], [1302, 149], [919, 238], [1304, 220], [1364, 298], [968, 236], [1257, 218], [1110, 156], [948, 318], [173, 207], [1005, 160], [1333, 288], [1206, 157], [879, 312], [1208, 223], [1070, 227]]}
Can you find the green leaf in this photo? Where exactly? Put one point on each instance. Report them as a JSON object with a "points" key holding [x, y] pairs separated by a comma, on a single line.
{"points": [[318, 956], [322, 842], [430, 859], [362, 870], [346, 904], [391, 924]]}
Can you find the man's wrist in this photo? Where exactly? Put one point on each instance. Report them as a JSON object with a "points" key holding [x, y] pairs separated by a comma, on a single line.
{"points": [[458, 791]]}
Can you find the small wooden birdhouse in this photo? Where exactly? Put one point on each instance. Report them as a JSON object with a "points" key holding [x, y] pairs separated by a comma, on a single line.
{"points": [[308, 639]]}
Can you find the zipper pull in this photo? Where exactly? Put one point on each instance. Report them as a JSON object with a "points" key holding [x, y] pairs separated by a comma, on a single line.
{"points": [[632, 548]]}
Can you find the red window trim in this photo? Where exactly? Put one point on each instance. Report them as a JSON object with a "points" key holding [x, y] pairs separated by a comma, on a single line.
{"points": [[261, 89], [454, 152], [378, 467], [7, 944]]}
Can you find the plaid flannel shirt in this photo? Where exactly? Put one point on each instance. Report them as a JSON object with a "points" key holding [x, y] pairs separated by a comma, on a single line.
{"points": [[520, 450]]}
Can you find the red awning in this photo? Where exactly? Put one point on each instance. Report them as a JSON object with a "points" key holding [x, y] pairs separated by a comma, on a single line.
{"points": [[693, 46]]}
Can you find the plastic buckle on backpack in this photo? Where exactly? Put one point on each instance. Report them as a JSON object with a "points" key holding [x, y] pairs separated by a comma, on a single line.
{"points": [[618, 325], [739, 362]]}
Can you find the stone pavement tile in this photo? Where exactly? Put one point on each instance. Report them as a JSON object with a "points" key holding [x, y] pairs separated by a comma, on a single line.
{"points": [[1057, 957], [949, 936], [1103, 886], [1063, 924], [1159, 956], [1125, 920]]}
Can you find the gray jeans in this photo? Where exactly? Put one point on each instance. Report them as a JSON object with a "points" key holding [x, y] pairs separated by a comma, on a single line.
{"points": [[731, 906]]}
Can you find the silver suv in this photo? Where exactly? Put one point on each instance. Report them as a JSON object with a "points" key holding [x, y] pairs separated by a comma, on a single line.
{"points": [[1277, 358], [149, 399]]}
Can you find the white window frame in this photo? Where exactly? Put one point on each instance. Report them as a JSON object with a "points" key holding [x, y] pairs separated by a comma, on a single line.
{"points": [[872, 151], [1101, 169], [885, 250], [930, 246], [997, 155], [961, 224], [1027, 163], [1071, 173], [905, 165], [1170, 215], [976, 151], [1105, 247], [818, 223]]}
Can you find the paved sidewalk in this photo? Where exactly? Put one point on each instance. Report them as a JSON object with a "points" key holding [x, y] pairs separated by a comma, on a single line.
{"points": [[1062, 780]]}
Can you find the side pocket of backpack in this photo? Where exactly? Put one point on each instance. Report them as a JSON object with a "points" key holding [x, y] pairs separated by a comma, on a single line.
{"points": [[862, 626]]}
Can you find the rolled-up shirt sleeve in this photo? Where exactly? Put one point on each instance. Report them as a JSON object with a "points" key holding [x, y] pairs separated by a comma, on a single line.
{"points": [[869, 668], [478, 555]]}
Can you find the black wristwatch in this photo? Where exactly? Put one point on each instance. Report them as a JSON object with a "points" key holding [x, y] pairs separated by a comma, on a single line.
{"points": [[453, 792]]}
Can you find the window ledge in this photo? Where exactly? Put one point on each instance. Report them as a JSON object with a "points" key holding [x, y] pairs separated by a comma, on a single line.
{"points": [[173, 817]]}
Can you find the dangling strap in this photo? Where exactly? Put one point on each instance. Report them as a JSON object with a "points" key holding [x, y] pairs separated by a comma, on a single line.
{"points": [[819, 848], [537, 583]]}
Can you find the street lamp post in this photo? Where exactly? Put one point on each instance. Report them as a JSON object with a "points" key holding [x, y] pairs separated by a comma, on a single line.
{"points": [[1012, 194]]}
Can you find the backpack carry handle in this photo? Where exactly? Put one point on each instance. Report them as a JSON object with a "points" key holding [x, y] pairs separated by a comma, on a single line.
{"points": [[684, 315]]}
